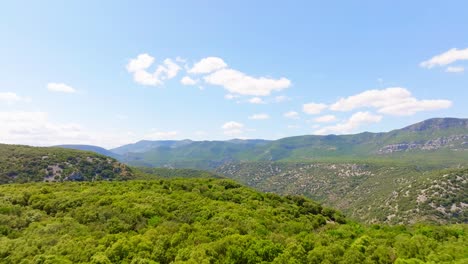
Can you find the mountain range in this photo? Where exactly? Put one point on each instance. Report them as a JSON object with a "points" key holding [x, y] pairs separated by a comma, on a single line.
{"points": [[442, 140], [413, 174], [417, 173]]}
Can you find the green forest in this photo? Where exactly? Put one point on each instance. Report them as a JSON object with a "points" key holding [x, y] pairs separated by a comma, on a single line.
{"points": [[200, 221], [30, 164]]}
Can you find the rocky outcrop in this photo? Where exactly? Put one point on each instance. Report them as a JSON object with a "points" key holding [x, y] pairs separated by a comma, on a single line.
{"points": [[456, 142]]}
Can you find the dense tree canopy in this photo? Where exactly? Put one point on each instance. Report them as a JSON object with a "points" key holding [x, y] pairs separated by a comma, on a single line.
{"points": [[200, 221], [27, 164]]}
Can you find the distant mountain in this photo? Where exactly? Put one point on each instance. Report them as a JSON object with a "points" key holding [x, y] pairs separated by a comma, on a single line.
{"points": [[30, 164], [443, 140], [438, 124], [186, 153], [146, 145], [95, 149]]}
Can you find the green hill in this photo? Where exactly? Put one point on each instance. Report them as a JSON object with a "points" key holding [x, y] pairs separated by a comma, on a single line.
{"points": [[147, 173], [366, 191], [391, 168], [92, 148], [26, 164], [438, 140], [200, 221]]}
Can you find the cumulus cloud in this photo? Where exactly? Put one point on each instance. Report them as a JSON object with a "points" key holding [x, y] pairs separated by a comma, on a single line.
{"points": [[349, 126], [291, 115], [237, 82], [140, 63], [139, 68], [11, 98], [325, 119], [161, 135], [207, 65], [60, 87], [455, 69], [446, 58], [256, 100], [188, 81], [313, 108], [392, 101], [232, 128], [259, 117]]}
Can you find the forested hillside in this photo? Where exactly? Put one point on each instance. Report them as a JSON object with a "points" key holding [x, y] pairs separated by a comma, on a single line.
{"points": [[366, 191], [146, 173], [26, 164], [200, 221]]}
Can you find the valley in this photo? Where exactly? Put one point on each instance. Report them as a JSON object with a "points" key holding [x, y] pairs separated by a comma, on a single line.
{"points": [[399, 197]]}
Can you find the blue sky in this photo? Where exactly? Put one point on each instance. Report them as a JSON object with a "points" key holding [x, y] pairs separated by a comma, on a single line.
{"points": [[110, 72]]}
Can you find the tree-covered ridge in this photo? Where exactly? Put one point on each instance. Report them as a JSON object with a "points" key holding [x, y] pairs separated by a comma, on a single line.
{"points": [[437, 140], [200, 221], [148, 173], [25, 164], [401, 194]]}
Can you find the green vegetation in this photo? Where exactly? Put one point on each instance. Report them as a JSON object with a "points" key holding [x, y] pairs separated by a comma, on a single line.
{"points": [[438, 141], [29, 164], [95, 149], [146, 173], [400, 194], [200, 221]]}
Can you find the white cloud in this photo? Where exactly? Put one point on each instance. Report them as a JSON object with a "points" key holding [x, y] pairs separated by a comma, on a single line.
{"points": [[455, 69], [188, 81], [140, 63], [291, 115], [411, 106], [313, 108], [232, 125], [36, 129], [392, 101], [60, 87], [207, 65], [351, 125], [371, 98], [161, 135], [231, 96], [259, 117], [281, 98], [237, 82], [446, 58], [325, 119], [11, 98], [256, 100], [232, 128], [139, 68], [170, 69]]}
